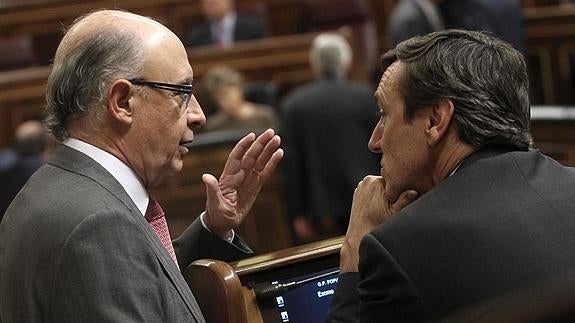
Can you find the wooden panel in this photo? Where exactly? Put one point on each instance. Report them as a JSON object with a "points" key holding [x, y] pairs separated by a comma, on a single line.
{"points": [[555, 138], [550, 42], [22, 96], [219, 281]]}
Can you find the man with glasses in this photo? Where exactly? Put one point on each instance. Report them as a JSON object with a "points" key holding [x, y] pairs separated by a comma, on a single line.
{"points": [[83, 241]]}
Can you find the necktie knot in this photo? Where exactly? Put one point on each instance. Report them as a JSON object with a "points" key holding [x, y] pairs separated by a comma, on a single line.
{"points": [[154, 211]]}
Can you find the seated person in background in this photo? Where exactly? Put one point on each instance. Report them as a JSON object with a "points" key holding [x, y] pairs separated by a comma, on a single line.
{"points": [[84, 241], [464, 211], [226, 88], [19, 162], [323, 126], [224, 25]]}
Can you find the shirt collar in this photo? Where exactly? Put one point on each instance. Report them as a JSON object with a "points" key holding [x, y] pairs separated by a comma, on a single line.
{"points": [[120, 171]]}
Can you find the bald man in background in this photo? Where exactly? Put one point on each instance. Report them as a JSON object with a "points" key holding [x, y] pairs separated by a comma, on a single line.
{"points": [[83, 241]]}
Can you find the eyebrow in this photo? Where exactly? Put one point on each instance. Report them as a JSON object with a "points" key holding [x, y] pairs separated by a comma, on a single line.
{"points": [[187, 81], [379, 99]]}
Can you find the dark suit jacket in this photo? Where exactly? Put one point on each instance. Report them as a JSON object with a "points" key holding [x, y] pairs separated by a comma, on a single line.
{"points": [[501, 223], [325, 131], [75, 248], [247, 27], [500, 18]]}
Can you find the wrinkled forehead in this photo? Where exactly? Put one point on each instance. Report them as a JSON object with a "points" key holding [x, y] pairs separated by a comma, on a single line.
{"points": [[389, 80]]}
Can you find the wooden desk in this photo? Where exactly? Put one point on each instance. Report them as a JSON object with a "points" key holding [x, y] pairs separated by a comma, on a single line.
{"points": [[225, 291]]}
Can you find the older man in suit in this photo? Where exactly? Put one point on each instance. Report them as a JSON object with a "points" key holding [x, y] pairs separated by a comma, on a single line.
{"points": [[83, 241], [463, 212]]}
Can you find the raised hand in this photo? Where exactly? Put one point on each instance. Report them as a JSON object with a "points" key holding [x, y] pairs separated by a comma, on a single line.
{"points": [[249, 165], [369, 209]]}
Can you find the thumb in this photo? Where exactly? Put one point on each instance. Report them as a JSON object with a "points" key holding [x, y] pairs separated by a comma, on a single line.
{"points": [[212, 188], [404, 199]]}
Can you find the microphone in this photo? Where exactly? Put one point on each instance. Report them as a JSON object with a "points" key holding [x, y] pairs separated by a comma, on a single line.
{"points": [[272, 290]]}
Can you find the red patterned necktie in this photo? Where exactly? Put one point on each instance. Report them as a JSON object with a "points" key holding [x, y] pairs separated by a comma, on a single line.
{"points": [[156, 219]]}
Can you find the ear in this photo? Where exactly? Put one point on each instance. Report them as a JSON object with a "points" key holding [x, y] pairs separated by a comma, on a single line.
{"points": [[119, 97], [439, 121]]}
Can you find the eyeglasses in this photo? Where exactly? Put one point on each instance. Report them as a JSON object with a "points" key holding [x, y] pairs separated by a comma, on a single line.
{"points": [[184, 89]]}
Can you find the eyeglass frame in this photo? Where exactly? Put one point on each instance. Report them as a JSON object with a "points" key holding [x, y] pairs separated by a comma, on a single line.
{"points": [[186, 89]]}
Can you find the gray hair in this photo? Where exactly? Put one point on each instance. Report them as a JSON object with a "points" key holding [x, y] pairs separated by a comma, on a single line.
{"points": [[484, 77], [83, 72], [330, 55]]}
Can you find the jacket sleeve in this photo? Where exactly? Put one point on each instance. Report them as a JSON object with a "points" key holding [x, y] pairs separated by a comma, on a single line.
{"points": [[198, 243], [345, 304], [386, 292]]}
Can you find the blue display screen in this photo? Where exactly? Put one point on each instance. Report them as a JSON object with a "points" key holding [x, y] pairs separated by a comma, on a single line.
{"points": [[308, 302]]}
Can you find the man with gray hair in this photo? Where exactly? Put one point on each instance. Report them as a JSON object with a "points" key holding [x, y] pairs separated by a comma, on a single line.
{"points": [[464, 212], [84, 241], [322, 124]]}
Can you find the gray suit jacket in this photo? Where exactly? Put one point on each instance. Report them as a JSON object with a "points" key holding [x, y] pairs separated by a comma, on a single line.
{"points": [[75, 248], [502, 223]]}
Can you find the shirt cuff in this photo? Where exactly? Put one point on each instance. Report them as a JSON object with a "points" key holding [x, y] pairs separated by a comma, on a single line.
{"points": [[229, 236]]}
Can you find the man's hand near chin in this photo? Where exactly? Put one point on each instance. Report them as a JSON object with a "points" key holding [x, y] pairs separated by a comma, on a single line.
{"points": [[369, 209]]}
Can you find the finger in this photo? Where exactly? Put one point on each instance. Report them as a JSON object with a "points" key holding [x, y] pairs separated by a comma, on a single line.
{"points": [[235, 158], [251, 155], [271, 165], [267, 153], [368, 181], [404, 199]]}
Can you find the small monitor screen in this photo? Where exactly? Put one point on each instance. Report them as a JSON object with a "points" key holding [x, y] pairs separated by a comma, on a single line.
{"points": [[307, 302]]}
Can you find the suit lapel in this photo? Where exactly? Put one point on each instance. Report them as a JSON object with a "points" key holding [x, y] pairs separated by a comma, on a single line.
{"points": [[77, 162]]}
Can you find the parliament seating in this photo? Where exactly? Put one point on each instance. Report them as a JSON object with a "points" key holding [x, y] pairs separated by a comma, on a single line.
{"points": [[282, 60], [227, 292]]}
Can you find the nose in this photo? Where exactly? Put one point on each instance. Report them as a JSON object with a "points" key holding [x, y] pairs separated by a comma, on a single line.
{"points": [[374, 143], [196, 117]]}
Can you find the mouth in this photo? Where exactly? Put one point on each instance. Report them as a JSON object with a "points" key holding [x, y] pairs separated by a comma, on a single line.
{"points": [[186, 144]]}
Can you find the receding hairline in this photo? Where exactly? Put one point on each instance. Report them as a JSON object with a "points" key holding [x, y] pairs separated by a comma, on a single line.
{"points": [[104, 20]]}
